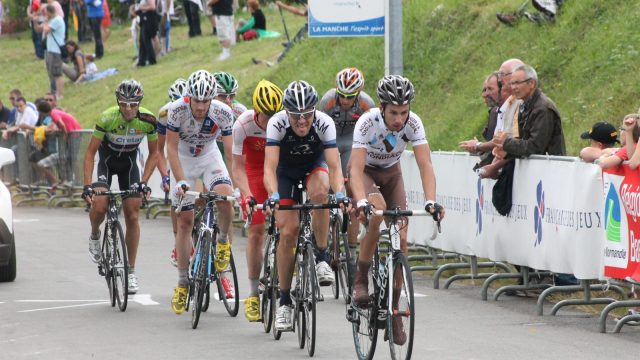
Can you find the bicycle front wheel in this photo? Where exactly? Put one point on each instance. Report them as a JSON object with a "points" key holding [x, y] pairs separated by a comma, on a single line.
{"points": [[364, 320], [105, 265], [231, 303], [265, 298], [119, 266], [309, 300], [334, 254], [401, 318], [200, 276]]}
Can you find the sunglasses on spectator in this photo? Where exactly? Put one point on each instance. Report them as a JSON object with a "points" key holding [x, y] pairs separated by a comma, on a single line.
{"points": [[346, 96], [300, 115], [130, 104]]}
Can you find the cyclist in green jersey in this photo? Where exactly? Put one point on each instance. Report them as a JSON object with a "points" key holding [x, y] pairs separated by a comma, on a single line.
{"points": [[116, 137]]}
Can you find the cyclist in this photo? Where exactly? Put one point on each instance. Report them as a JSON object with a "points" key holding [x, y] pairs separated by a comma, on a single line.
{"points": [[116, 137], [380, 137], [301, 145], [345, 104], [177, 90], [193, 124], [249, 139]]}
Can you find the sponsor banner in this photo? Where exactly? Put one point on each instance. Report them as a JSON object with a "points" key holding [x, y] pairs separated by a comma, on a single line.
{"points": [[621, 246], [346, 18], [555, 223]]}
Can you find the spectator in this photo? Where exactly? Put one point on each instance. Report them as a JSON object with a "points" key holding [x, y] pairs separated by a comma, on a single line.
{"points": [[191, 10], [66, 10], [539, 123], [14, 94], [44, 155], [54, 29], [166, 10], [547, 12], [84, 29], [148, 30], [77, 69], [292, 9], [36, 19], [105, 24], [61, 116], [58, 7], [4, 116], [492, 98], [251, 28], [1, 16], [223, 12], [602, 140], [95, 12], [26, 119], [631, 135]]}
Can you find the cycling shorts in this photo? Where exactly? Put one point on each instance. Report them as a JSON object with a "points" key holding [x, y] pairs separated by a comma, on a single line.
{"points": [[123, 164], [288, 180], [208, 167], [387, 182]]}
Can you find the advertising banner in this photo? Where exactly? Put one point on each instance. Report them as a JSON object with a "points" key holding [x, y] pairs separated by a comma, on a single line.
{"points": [[621, 245], [346, 18]]}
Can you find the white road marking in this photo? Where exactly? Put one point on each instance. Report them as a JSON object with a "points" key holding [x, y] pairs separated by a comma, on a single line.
{"points": [[143, 299], [44, 301], [25, 220], [415, 295], [64, 307]]}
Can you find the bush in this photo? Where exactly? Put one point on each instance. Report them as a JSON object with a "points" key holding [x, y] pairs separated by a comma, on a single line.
{"points": [[15, 9]]}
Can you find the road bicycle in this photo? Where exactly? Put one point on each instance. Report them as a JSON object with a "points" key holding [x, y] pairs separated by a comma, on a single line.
{"points": [[391, 301], [201, 269], [114, 264], [341, 261]]}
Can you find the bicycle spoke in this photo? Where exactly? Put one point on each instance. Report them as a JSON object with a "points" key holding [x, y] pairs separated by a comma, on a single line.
{"points": [[400, 323]]}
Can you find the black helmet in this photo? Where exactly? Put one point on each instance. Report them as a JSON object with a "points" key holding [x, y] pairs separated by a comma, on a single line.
{"points": [[129, 90], [299, 96], [395, 89]]}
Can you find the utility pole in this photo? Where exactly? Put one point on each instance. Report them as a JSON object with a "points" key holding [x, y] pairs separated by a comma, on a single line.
{"points": [[393, 49]]}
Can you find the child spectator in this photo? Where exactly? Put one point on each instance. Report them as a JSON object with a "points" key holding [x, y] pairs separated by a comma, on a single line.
{"points": [[92, 68], [631, 135], [602, 140]]}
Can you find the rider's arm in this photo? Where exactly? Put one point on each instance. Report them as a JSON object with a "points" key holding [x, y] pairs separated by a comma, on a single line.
{"points": [[240, 175], [162, 160], [172, 153], [227, 141], [356, 172], [89, 157], [152, 160], [271, 158], [428, 177], [336, 178]]}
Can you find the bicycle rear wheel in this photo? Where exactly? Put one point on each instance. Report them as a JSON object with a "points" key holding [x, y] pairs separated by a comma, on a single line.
{"points": [[345, 270], [200, 276], [364, 321], [334, 253], [275, 295], [400, 321], [309, 300], [107, 253], [119, 266], [232, 304], [265, 298]]}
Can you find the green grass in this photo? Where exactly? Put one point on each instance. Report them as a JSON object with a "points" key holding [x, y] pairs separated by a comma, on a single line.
{"points": [[586, 62]]}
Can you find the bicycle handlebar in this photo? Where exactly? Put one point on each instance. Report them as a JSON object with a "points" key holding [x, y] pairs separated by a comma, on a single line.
{"points": [[210, 195]]}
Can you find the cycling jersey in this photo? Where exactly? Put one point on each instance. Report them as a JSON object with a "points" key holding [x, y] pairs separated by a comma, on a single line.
{"points": [[238, 108], [120, 135], [385, 147], [162, 119], [197, 138], [249, 139], [296, 151], [345, 120]]}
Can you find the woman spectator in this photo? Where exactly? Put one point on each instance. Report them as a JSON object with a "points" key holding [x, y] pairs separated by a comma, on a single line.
{"points": [[76, 69], [251, 29]]}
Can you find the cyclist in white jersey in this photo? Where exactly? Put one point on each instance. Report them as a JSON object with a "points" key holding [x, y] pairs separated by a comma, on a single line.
{"points": [[194, 122], [177, 90], [380, 138]]}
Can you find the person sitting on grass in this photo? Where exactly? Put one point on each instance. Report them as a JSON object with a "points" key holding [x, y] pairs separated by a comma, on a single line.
{"points": [[250, 29]]}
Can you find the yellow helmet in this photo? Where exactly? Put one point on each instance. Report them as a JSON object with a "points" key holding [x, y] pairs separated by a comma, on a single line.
{"points": [[267, 98]]}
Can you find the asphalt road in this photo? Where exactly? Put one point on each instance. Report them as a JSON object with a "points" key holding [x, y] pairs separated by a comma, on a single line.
{"points": [[57, 309]]}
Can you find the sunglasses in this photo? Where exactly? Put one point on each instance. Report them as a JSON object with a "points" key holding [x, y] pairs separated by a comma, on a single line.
{"points": [[300, 115], [130, 104], [346, 96], [227, 96]]}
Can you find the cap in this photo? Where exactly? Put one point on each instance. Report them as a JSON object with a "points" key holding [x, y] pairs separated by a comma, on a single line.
{"points": [[602, 132]]}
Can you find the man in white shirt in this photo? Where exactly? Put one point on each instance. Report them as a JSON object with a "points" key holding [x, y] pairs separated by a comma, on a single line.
{"points": [[26, 118]]}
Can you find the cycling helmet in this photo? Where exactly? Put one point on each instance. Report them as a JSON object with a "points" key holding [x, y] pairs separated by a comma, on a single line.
{"points": [[227, 84], [267, 98], [349, 81], [178, 89], [299, 96], [395, 89], [201, 86], [129, 90]]}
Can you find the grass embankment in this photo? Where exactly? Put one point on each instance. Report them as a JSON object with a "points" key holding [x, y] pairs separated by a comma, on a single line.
{"points": [[586, 62]]}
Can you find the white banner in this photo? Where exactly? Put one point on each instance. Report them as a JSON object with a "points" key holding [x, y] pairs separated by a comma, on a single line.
{"points": [[346, 18], [555, 223]]}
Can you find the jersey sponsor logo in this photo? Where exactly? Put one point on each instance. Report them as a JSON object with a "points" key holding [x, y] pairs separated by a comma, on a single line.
{"points": [[280, 126], [414, 125], [302, 149], [366, 126], [322, 127], [382, 156]]}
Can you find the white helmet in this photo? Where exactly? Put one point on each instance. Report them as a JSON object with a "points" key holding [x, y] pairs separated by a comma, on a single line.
{"points": [[178, 89], [202, 85], [349, 81]]}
